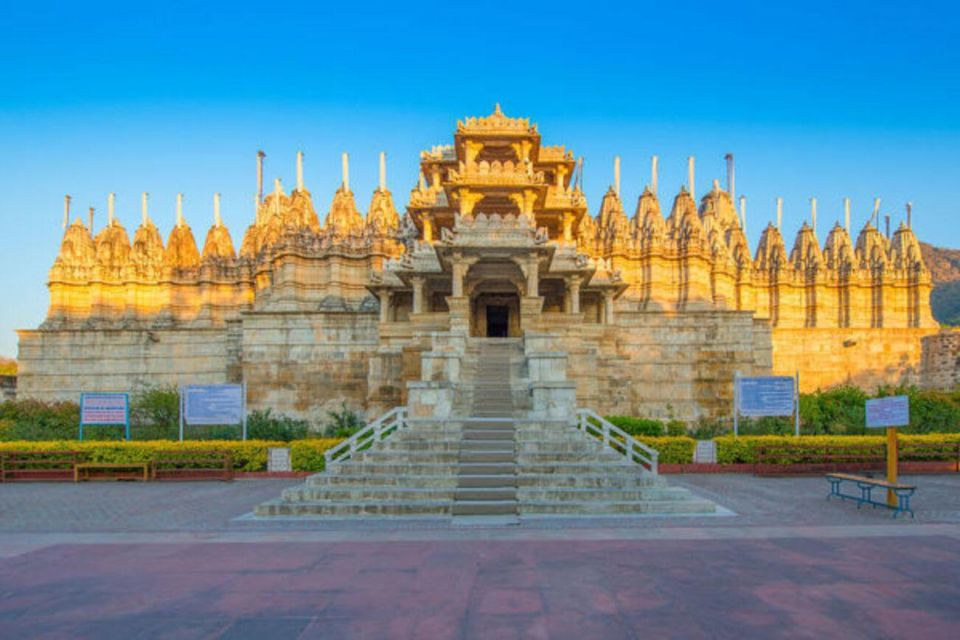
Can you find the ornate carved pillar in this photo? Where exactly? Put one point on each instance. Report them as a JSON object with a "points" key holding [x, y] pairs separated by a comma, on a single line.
{"points": [[568, 226], [573, 294], [607, 306], [418, 284], [427, 228], [384, 296]]}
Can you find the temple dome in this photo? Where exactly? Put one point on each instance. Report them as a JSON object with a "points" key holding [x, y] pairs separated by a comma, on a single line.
{"points": [[299, 212], [905, 249], [343, 219], [113, 245], [771, 250], [838, 249], [219, 244], [806, 250], [147, 249], [382, 218], [872, 248], [77, 247], [718, 209], [181, 252]]}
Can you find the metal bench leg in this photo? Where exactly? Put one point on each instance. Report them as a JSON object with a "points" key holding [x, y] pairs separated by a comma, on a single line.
{"points": [[834, 488]]}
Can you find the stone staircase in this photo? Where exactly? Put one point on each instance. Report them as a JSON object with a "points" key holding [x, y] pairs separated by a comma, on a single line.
{"points": [[488, 460]]}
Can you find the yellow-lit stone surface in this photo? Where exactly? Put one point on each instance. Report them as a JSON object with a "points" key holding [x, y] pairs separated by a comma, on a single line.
{"points": [[654, 310]]}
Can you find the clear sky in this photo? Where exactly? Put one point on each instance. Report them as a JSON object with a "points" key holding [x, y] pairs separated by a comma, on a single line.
{"points": [[825, 99]]}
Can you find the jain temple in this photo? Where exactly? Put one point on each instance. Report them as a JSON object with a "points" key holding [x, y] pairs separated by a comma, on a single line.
{"points": [[645, 308]]}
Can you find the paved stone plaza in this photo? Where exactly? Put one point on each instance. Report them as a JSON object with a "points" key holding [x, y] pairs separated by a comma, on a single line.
{"points": [[189, 561]]}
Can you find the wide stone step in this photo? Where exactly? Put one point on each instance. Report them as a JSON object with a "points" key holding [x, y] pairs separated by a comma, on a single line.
{"points": [[487, 480], [486, 468], [484, 507], [693, 506], [592, 468], [623, 480], [367, 493], [538, 456], [641, 494], [422, 508], [489, 445], [397, 468], [412, 456], [487, 456], [382, 480], [485, 493]]}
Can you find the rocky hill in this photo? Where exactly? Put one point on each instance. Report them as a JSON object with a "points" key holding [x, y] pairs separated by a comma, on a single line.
{"points": [[944, 265]]}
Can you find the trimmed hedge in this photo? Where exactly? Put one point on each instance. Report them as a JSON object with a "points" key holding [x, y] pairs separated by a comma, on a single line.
{"points": [[672, 449], [250, 455], [732, 450]]}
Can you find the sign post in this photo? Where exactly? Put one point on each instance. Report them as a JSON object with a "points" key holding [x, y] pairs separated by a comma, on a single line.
{"points": [[213, 404], [105, 410], [766, 396], [889, 413]]}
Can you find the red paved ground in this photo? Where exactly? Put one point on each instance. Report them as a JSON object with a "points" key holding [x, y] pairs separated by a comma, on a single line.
{"points": [[903, 587]]}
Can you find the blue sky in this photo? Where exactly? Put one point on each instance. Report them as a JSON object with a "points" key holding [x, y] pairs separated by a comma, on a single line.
{"points": [[825, 99]]}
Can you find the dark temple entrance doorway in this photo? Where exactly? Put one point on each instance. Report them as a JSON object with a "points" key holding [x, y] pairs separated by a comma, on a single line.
{"points": [[498, 321]]}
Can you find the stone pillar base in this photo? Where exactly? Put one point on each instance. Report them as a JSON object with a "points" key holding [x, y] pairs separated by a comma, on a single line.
{"points": [[554, 400], [429, 399]]}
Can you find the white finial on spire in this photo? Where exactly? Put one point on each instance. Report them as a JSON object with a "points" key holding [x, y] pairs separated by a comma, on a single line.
{"points": [[111, 201], [383, 171], [653, 174], [66, 211], [277, 190], [690, 161], [813, 215], [731, 177], [779, 214], [345, 160], [299, 170], [743, 213], [179, 209], [876, 211], [144, 213], [90, 214], [846, 214], [216, 210], [909, 215], [716, 185], [260, 156], [616, 175]]}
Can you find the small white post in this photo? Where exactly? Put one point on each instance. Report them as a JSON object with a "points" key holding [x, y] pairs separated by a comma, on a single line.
{"points": [[111, 201], [653, 174], [690, 162], [179, 209], [743, 213], [345, 161], [299, 170], [909, 215], [780, 214], [876, 211], [216, 210], [90, 215], [260, 156], [144, 211], [66, 211], [180, 400], [383, 171], [616, 175], [244, 409], [846, 214]]}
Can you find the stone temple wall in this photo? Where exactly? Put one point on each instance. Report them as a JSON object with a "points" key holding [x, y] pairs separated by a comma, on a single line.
{"points": [[941, 360], [59, 365], [867, 358]]}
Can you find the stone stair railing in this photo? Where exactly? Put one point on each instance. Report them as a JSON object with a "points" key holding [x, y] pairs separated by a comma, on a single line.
{"points": [[376, 431], [612, 436]]}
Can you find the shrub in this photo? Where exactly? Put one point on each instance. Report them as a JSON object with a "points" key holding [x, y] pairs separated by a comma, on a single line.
{"points": [[266, 425], [343, 423], [637, 426], [672, 450], [732, 450], [155, 413], [251, 455], [676, 428], [36, 420]]}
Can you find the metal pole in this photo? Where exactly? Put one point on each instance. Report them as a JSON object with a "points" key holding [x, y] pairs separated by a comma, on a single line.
{"points": [[81, 416], [891, 464], [736, 397], [796, 404], [244, 409], [126, 426], [180, 393]]}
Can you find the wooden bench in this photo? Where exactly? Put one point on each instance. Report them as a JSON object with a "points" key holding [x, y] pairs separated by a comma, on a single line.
{"points": [[193, 465], [866, 486], [17, 466], [86, 471]]}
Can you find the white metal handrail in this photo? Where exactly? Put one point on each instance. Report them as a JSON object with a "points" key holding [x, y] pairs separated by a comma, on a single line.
{"points": [[376, 431], [617, 439]]}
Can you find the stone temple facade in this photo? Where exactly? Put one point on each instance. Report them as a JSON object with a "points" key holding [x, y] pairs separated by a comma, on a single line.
{"points": [[648, 314]]}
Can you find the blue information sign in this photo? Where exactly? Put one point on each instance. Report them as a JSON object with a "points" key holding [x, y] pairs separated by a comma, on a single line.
{"points": [[893, 411], [765, 396], [213, 404]]}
